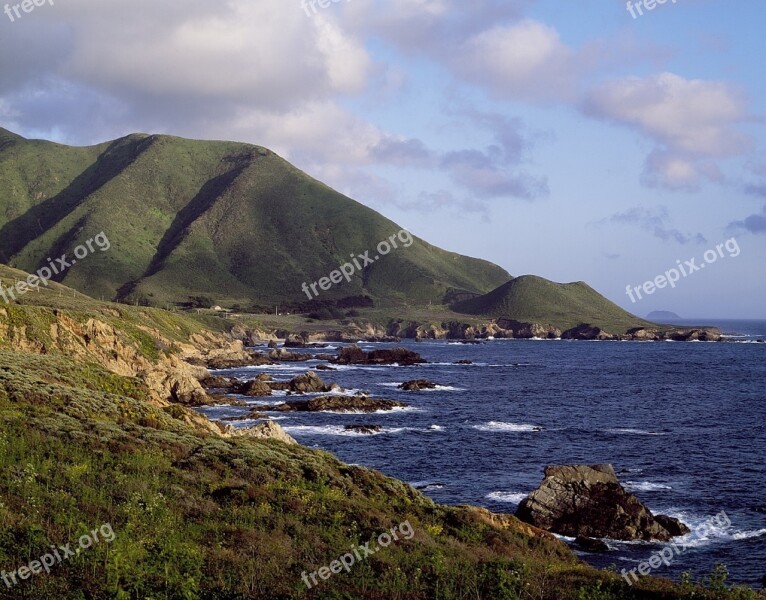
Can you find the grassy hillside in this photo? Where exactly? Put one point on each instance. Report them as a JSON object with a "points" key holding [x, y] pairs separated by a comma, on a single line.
{"points": [[199, 516], [564, 305], [231, 221]]}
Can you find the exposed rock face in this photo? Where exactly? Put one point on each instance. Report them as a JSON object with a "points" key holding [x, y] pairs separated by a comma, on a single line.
{"points": [[582, 500], [307, 383], [296, 341], [673, 526], [644, 334], [517, 329], [584, 331], [354, 355], [268, 430], [417, 384], [707, 334], [216, 382], [335, 404], [703, 334], [254, 388]]}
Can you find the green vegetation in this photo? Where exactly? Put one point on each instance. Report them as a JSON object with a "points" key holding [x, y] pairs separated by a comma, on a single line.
{"points": [[227, 221], [564, 305], [198, 516]]}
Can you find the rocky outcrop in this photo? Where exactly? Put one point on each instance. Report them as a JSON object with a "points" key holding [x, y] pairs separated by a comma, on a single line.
{"points": [[510, 328], [582, 500], [287, 356], [254, 388], [591, 544], [417, 384], [705, 334], [587, 332], [335, 404], [702, 334], [308, 383], [264, 385], [268, 430], [354, 355]]}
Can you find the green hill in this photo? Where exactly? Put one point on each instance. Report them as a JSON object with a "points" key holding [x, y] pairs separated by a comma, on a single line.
{"points": [[230, 221], [537, 300]]}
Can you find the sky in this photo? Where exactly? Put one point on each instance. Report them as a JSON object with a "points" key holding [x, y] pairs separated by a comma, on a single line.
{"points": [[586, 140]]}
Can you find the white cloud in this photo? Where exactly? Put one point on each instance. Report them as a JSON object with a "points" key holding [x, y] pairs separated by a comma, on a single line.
{"points": [[691, 121], [526, 60]]}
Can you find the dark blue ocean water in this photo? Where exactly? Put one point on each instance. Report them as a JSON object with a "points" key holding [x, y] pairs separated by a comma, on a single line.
{"points": [[682, 423]]}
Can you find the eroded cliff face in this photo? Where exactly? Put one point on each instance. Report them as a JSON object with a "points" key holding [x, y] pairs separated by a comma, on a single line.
{"points": [[160, 363]]}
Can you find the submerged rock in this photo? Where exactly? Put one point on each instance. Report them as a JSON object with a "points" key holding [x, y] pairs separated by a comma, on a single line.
{"points": [[583, 500], [367, 429], [336, 404], [417, 384]]}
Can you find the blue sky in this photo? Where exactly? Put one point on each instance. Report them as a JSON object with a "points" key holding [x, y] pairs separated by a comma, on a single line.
{"points": [[565, 139]]}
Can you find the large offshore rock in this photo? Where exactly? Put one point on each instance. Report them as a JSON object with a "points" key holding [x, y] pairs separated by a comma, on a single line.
{"points": [[583, 500]]}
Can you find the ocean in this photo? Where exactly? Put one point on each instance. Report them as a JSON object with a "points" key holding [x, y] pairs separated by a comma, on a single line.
{"points": [[683, 424]]}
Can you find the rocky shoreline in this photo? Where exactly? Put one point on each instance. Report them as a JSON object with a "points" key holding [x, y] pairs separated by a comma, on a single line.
{"points": [[464, 332]]}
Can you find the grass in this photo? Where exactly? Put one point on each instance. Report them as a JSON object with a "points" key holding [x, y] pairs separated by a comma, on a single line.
{"points": [[537, 300], [197, 516], [192, 218]]}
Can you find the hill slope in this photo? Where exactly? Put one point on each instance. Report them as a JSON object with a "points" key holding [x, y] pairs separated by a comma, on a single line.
{"points": [[537, 300], [231, 221]]}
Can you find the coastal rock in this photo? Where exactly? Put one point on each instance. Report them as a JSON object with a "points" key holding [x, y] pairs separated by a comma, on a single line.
{"points": [[325, 368], [336, 404], [522, 330], [366, 429], [295, 341], [584, 331], [705, 334], [354, 355], [235, 360], [216, 382], [417, 384], [644, 334], [254, 388], [287, 356], [268, 430], [582, 500], [591, 544], [308, 383], [673, 526], [463, 361]]}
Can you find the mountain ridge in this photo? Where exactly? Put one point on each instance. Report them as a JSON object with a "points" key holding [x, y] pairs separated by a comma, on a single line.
{"points": [[238, 225]]}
